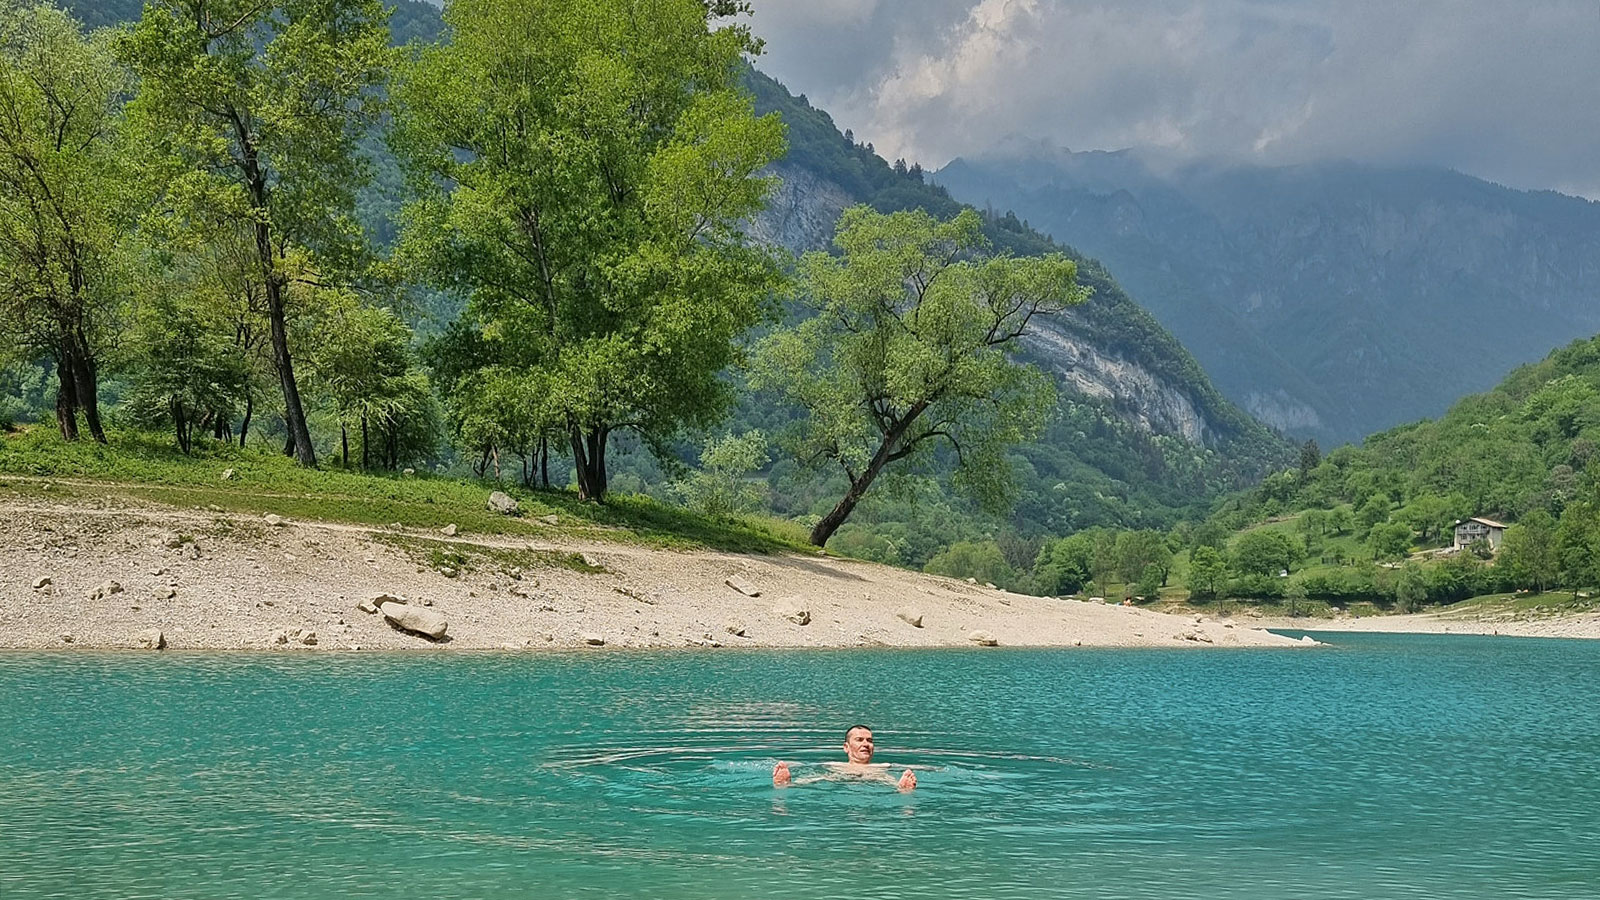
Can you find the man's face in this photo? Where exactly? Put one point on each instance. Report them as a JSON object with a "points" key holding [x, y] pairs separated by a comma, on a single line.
{"points": [[858, 745]]}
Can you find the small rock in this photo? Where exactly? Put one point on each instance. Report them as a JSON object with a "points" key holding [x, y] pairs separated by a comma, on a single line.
{"points": [[448, 573], [983, 639], [734, 628], [192, 550], [105, 589], [449, 530], [274, 520], [990, 586], [395, 526], [227, 474], [309, 638], [372, 605], [425, 602], [66, 638], [408, 471], [150, 639], [502, 503], [550, 520], [972, 581], [169, 540], [1309, 640], [742, 586], [165, 593], [794, 609], [1077, 643], [594, 639], [910, 615], [425, 622], [42, 582]]}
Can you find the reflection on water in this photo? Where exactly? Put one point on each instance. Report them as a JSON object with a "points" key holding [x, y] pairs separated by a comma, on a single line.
{"points": [[1389, 767]]}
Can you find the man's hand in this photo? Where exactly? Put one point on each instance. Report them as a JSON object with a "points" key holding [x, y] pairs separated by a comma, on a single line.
{"points": [[908, 781], [781, 776]]}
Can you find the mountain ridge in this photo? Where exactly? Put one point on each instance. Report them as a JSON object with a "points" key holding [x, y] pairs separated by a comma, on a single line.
{"points": [[1331, 299]]}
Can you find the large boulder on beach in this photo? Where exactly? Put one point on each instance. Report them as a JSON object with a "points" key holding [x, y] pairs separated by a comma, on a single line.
{"points": [[503, 503], [983, 639], [794, 609], [415, 619], [150, 639]]}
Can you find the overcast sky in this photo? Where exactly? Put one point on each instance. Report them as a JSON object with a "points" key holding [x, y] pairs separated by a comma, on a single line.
{"points": [[1508, 90]]}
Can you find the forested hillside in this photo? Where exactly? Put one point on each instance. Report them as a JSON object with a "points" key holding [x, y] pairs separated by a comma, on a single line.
{"points": [[400, 332], [1331, 300]]}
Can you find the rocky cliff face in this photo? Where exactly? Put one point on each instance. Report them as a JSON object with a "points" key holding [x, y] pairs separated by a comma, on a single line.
{"points": [[1331, 300]]}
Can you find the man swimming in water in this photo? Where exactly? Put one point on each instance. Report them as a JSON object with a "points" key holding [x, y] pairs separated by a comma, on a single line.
{"points": [[858, 749]]}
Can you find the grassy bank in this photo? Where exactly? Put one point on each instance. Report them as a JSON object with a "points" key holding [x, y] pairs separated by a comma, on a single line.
{"points": [[224, 478]]}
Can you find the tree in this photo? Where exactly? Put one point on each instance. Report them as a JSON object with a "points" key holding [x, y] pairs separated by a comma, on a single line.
{"points": [[67, 200], [1138, 550], [909, 347], [1064, 566], [583, 171], [1373, 510], [1265, 553], [1578, 545], [1150, 581], [1411, 589], [363, 364], [722, 485], [1310, 458], [981, 561], [1208, 571], [1529, 555], [264, 102], [187, 373], [1389, 540], [1341, 520]]}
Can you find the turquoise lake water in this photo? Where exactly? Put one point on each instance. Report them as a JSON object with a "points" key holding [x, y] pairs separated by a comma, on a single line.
{"points": [[1387, 766]]}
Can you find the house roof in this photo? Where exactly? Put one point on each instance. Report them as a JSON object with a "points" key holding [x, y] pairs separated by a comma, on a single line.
{"points": [[1489, 522]]}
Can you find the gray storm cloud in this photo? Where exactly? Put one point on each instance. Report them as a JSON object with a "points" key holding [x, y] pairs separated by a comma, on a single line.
{"points": [[1508, 91]]}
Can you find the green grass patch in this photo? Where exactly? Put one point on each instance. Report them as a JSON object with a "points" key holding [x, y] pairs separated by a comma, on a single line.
{"points": [[148, 468]]}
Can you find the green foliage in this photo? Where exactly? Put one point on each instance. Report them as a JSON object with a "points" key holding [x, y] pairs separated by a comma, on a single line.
{"points": [[981, 561], [1529, 555], [187, 374], [909, 347], [1389, 540], [1265, 553], [68, 199], [722, 485], [1064, 565], [1411, 589], [583, 172], [1208, 572]]}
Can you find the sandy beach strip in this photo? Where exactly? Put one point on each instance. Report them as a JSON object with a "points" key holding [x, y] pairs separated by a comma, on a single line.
{"points": [[74, 577]]}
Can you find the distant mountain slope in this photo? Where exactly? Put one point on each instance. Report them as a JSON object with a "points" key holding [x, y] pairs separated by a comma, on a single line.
{"points": [[1143, 432], [1110, 348], [1330, 300]]}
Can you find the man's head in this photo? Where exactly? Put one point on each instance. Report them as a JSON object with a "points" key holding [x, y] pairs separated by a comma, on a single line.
{"points": [[858, 744]]}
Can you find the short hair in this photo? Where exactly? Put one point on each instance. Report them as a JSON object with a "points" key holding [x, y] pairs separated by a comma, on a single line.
{"points": [[852, 728]]}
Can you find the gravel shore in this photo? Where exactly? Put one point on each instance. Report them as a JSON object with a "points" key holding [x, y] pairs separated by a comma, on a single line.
{"points": [[79, 577]]}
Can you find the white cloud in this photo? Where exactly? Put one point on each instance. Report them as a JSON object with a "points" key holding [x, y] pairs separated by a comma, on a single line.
{"points": [[1509, 91]]}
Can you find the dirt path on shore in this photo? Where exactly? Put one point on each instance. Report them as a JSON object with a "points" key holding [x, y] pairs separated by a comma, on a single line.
{"points": [[220, 581]]}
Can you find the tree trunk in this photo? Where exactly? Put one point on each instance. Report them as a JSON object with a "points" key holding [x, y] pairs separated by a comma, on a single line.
{"points": [[544, 460], [66, 398], [858, 485], [244, 427], [344, 444], [87, 383], [294, 414], [589, 456]]}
